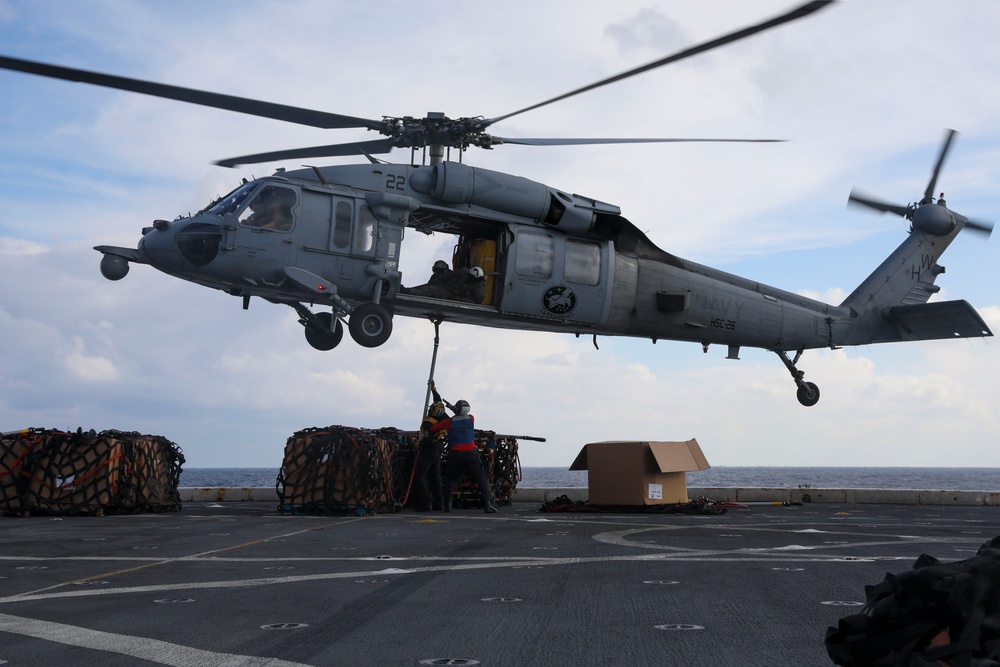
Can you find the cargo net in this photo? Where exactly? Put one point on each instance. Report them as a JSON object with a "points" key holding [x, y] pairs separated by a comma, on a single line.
{"points": [[112, 472], [340, 470], [347, 470]]}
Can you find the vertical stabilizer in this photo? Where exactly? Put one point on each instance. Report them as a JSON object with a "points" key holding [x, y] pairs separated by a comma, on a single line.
{"points": [[892, 303]]}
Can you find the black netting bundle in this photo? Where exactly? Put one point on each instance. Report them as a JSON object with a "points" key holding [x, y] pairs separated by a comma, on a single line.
{"points": [[934, 614], [58, 472]]}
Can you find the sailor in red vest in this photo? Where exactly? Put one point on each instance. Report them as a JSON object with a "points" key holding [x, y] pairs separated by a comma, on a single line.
{"points": [[462, 454], [427, 466]]}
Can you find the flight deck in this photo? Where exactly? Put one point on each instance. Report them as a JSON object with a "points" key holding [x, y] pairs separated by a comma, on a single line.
{"points": [[237, 583]]}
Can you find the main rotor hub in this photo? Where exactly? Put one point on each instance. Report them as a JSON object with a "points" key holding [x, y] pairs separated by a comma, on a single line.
{"points": [[437, 129]]}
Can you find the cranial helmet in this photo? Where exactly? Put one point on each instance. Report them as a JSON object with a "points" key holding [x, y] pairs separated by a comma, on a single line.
{"points": [[476, 272], [439, 265], [462, 407]]}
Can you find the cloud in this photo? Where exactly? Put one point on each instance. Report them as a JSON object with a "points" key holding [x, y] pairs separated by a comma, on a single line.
{"points": [[87, 367], [648, 29], [10, 246], [84, 166]]}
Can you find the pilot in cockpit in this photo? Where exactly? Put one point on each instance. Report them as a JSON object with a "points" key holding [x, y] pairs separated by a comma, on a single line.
{"points": [[269, 211]]}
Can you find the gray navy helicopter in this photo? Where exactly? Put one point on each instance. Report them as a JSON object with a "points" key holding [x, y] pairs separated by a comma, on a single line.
{"points": [[548, 260]]}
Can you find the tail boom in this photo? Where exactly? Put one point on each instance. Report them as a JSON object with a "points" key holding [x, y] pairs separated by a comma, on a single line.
{"points": [[892, 303]]}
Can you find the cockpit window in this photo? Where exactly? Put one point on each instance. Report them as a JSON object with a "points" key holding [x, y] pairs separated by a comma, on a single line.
{"points": [[271, 208], [232, 201]]}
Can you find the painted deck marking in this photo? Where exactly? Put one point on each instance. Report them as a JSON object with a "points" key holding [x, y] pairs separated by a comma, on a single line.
{"points": [[144, 648]]}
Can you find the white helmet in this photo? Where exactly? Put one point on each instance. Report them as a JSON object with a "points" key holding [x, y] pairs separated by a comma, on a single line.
{"points": [[476, 273]]}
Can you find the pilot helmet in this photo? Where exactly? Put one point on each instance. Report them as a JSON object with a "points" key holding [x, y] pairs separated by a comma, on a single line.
{"points": [[476, 273], [439, 266], [462, 407]]}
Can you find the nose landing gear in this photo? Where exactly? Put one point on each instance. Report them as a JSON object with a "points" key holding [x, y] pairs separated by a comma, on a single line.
{"points": [[807, 393]]}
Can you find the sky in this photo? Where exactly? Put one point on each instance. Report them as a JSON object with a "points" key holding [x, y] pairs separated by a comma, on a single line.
{"points": [[863, 92]]}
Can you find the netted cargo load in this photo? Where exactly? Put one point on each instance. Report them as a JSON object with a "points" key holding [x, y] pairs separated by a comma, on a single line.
{"points": [[498, 455], [153, 467], [341, 470], [347, 470], [404, 447], [94, 473], [506, 471], [14, 449]]}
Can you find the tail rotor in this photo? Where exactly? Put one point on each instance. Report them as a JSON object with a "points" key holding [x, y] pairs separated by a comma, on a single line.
{"points": [[927, 215]]}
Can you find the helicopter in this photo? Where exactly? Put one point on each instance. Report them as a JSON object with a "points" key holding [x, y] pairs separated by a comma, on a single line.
{"points": [[327, 240]]}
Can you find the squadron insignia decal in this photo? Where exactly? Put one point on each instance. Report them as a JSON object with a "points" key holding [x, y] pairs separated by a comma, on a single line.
{"points": [[559, 300]]}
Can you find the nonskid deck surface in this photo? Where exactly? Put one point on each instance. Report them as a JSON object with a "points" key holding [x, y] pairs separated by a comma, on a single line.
{"points": [[239, 584]]}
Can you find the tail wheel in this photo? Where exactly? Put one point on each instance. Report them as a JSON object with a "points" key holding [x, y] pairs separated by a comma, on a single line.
{"points": [[808, 394], [370, 325], [327, 337]]}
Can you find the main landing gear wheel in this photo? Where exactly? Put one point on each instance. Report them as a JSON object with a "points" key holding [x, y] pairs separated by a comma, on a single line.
{"points": [[327, 337], [808, 394], [370, 325]]}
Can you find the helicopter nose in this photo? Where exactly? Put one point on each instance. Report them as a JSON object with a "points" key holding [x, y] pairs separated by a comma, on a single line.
{"points": [[182, 243], [198, 241], [158, 246]]}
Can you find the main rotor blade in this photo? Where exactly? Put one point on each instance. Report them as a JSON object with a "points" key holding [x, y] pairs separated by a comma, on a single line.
{"points": [[283, 112], [373, 147], [929, 192], [587, 141], [864, 200], [798, 13]]}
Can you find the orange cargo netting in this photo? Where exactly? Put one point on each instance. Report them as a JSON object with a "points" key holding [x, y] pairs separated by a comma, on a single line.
{"points": [[347, 470], [341, 470], [56, 472]]}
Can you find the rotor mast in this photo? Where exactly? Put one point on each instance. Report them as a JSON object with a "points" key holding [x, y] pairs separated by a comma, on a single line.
{"points": [[435, 151]]}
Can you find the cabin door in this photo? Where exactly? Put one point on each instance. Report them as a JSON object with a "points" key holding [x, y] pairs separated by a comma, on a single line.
{"points": [[556, 277]]}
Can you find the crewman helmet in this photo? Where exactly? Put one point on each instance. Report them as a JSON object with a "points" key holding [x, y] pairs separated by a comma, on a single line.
{"points": [[476, 273], [462, 408], [439, 266]]}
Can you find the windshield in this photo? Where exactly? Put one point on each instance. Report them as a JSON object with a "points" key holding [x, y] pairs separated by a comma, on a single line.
{"points": [[232, 201]]}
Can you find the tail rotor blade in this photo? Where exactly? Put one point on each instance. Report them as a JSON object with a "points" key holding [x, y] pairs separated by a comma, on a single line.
{"points": [[984, 227], [931, 186], [861, 199]]}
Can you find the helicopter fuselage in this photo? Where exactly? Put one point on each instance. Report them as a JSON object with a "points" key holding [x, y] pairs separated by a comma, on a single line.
{"points": [[552, 261]]}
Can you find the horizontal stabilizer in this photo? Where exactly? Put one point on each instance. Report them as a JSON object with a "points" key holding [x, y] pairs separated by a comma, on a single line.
{"points": [[939, 320]]}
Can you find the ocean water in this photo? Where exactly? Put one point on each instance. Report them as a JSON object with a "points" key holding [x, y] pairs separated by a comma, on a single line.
{"points": [[933, 479]]}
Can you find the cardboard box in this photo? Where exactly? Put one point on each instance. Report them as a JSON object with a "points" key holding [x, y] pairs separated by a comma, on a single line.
{"points": [[639, 473]]}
